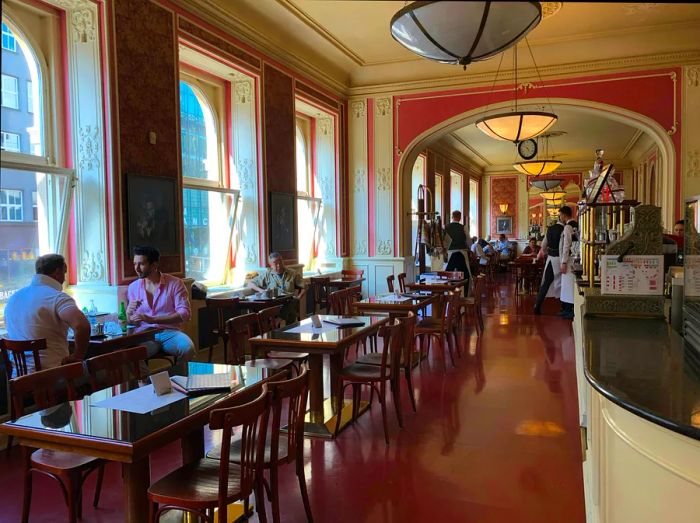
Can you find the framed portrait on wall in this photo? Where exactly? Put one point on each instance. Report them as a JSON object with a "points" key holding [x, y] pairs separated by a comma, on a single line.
{"points": [[504, 225], [282, 220], [152, 210]]}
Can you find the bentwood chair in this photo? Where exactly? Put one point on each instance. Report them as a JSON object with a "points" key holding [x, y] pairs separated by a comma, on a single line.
{"points": [[402, 281], [222, 309], [390, 282], [409, 357], [240, 329], [268, 320], [47, 388], [282, 448], [354, 273], [204, 485], [442, 329], [374, 376], [109, 369], [472, 304], [18, 349], [321, 290]]}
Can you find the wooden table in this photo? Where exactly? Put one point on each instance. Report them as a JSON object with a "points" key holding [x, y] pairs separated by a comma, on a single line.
{"points": [[395, 308], [438, 286], [130, 438], [257, 304], [109, 343], [321, 417], [344, 283]]}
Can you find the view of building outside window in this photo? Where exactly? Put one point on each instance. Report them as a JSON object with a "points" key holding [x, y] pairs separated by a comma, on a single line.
{"points": [[473, 207]]}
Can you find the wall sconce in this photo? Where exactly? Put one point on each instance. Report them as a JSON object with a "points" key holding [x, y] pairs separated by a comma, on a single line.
{"points": [[503, 207]]}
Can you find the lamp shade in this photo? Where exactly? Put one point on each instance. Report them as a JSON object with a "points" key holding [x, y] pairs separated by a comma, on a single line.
{"points": [[516, 126], [463, 32], [547, 184], [553, 195], [537, 167]]}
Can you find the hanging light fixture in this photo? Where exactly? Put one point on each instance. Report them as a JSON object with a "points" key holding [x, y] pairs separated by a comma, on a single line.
{"points": [[553, 198], [539, 167], [547, 184], [516, 125], [463, 32]]}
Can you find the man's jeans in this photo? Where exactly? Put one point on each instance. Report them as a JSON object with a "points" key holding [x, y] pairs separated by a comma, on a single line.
{"points": [[173, 343]]}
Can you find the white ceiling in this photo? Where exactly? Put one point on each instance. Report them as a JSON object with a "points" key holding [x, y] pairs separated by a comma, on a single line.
{"points": [[585, 132]]}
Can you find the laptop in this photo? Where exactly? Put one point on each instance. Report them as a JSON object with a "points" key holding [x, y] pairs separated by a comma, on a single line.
{"points": [[203, 383]]}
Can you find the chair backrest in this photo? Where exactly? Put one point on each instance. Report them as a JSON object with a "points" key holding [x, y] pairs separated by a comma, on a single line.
{"points": [[252, 419], [402, 281], [240, 329], [408, 327], [479, 282], [296, 392], [269, 318], [321, 288], [390, 282], [393, 348], [19, 348], [353, 272], [453, 306], [45, 387], [108, 369], [337, 302], [224, 308]]}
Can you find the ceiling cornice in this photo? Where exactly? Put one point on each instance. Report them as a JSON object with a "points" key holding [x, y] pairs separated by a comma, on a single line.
{"points": [[633, 141], [470, 149], [456, 156], [246, 33], [549, 72]]}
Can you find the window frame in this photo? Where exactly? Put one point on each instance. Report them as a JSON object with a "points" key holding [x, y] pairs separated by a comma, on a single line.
{"points": [[5, 135], [7, 32], [477, 199], [457, 174], [30, 98], [8, 207], [302, 127], [5, 91]]}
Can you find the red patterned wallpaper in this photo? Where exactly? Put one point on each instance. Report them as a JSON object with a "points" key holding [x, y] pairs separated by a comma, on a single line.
{"points": [[504, 189], [145, 94]]}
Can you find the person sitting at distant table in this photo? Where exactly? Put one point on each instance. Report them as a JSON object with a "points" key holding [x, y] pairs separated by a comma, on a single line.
{"points": [[478, 246], [503, 247], [43, 310], [160, 300], [531, 249], [284, 280]]}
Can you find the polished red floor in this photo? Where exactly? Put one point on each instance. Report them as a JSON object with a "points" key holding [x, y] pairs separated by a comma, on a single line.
{"points": [[494, 440]]}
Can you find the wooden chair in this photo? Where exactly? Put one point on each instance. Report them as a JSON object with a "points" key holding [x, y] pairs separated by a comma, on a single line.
{"points": [[353, 273], [18, 349], [340, 302], [282, 448], [409, 357], [108, 369], [321, 290], [390, 282], [222, 309], [375, 376], [402, 281], [240, 329], [68, 468], [441, 328], [269, 320], [472, 304], [204, 485], [452, 275]]}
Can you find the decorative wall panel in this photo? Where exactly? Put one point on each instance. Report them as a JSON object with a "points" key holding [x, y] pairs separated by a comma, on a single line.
{"points": [[504, 189], [358, 186], [384, 187]]}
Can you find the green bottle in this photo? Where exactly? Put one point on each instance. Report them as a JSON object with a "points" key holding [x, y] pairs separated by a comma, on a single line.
{"points": [[122, 317]]}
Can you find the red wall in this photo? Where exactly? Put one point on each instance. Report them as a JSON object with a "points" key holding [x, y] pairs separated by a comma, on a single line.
{"points": [[504, 189]]}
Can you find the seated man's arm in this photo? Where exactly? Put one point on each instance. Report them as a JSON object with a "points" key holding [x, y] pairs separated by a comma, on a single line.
{"points": [[133, 303], [299, 285], [182, 308], [76, 320], [256, 283]]}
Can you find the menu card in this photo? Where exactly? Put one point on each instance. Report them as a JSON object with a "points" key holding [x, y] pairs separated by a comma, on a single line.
{"points": [[692, 275], [635, 275]]}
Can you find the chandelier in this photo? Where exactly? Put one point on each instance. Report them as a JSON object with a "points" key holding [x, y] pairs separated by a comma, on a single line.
{"points": [[539, 167], [463, 32], [517, 125]]}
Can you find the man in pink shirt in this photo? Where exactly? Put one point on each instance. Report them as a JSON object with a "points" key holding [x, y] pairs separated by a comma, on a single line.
{"points": [[159, 300]]}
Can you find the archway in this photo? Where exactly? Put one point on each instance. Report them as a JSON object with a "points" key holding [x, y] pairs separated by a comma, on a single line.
{"points": [[666, 162]]}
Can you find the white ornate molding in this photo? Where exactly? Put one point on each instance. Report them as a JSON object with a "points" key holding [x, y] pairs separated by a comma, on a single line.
{"points": [[693, 164], [358, 108], [384, 181], [325, 126], [383, 106], [242, 89], [83, 23], [360, 181], [550, 8], [251, 257], [692, 75], [360, 247], [385, 247], [246, 176], [89, 148], [92, 266]]}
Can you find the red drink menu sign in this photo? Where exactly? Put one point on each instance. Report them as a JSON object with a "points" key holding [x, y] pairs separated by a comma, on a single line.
{"points": [[635, 275]]}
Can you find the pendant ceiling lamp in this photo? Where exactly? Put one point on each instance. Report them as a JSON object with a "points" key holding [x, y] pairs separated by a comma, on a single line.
{"points": [[540, 166], [553, 197], [547, 184], [517, 125], [463, 32]]}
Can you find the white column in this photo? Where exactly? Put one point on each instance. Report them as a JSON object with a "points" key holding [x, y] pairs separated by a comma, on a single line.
{"points": [[358, 188], [325, 177], [383, 178]]}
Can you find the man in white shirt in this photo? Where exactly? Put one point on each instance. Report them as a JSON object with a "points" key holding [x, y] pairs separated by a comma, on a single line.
{"points": [[43, 310]]}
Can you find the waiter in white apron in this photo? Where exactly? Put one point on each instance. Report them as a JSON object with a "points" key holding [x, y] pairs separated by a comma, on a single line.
{"points": [[551, 279], [568, 280], [458, 249]]}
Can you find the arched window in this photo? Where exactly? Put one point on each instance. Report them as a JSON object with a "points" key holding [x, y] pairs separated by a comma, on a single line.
{"points": [[35, 189], [209, 208]]}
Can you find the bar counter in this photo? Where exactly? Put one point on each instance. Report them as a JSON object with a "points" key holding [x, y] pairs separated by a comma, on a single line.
{"points": [[644, 366]]}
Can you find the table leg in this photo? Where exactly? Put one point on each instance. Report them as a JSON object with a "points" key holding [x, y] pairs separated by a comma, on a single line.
{"points": [[316, 387], [137, 479], [192, 446]]}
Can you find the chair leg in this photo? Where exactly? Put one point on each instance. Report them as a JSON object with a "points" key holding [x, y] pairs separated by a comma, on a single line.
{"points": [[98, 485], [450, 342], [224, 338], [27, 501], [409, 383], [152, 511], [396, 394], [302, 487], [382, 403], [355, 401], [274, 493], [339, 408], [71, 498], [260, 502]]}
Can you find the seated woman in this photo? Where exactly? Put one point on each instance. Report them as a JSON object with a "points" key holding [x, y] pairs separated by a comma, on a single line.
{"points": [[531, 249]]}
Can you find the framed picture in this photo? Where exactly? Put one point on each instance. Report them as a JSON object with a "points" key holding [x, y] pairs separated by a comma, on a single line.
{"points": [[504, 225], [152, 209], [283, 230]]}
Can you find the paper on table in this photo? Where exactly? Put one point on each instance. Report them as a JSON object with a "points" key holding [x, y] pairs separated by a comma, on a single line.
{"points": [[392, 298], [308, 328], [140, 401]]}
